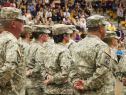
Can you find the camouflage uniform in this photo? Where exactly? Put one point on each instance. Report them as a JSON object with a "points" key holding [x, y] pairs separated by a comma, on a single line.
{"points": [[50, 41], [34, 81], [122, 65], [93, 63], [111, 34], [110, 37], [11, 60], [25, 46], [56, 61]]}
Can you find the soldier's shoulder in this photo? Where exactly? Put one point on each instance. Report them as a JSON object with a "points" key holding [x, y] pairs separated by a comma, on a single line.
{"points": [[8, 39], [60, 48], [33, 47], [107, 50], [5, 35]]}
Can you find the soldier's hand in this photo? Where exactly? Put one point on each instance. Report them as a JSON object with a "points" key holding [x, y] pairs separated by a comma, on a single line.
{"points": [[29, 72], [124, 81], [48, 80], [79, 85]]}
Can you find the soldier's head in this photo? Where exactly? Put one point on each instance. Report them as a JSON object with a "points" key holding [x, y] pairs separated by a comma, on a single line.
{"points": [[75, 32], [41, 33], [61, 33], [111, 39], [96, 25], [26, 34], [12, 20]]}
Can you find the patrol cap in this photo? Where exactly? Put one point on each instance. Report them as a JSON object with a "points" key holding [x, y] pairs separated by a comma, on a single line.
{"points": [[11, 13], [95, 21], [27, 28], [57, 25], [72, 27], [41, 28], [61, 29], [111, 34], [53, 27]]}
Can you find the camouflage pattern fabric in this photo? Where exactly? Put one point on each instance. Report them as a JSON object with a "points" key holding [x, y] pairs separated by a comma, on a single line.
{"points": [[93, 65], [11, 65], [56, 61]]}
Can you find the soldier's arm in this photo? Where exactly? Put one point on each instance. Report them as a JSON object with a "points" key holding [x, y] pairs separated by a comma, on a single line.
{"points": [[39, 59], [37, 65], [65, 62], [98, 77], [10, 62], [121, 68], [31, 62]]}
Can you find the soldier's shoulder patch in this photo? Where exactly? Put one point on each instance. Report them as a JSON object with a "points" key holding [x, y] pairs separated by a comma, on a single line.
{"points": [[107, 60]]}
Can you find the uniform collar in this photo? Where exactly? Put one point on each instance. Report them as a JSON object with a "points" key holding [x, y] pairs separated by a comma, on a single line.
{"points": [[93, 36]]}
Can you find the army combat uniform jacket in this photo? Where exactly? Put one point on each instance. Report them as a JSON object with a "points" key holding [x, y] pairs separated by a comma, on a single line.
{"points": [[11, 65], [94, 65], [56, 61]]}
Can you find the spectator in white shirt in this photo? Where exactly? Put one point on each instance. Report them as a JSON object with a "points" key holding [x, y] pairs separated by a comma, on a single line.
{"points": [[67, 21], [48, 13], [66, 13], [41, 13]]}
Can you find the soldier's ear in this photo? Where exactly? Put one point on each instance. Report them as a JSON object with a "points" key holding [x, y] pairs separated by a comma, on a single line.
{"points": [[101, 29], [13, 24]]}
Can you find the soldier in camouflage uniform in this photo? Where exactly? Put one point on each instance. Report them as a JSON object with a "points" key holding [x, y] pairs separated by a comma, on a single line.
{"points": [[112, 39], [121, 53], [25, 38], [11, 58], [50, 40], [55, 63], [92, 71], [24, 41], [33, 68], [123, 62]]}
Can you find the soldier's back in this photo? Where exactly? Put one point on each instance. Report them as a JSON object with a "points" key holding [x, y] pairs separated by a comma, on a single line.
{"points": [[57, 62], [87, 54]]}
